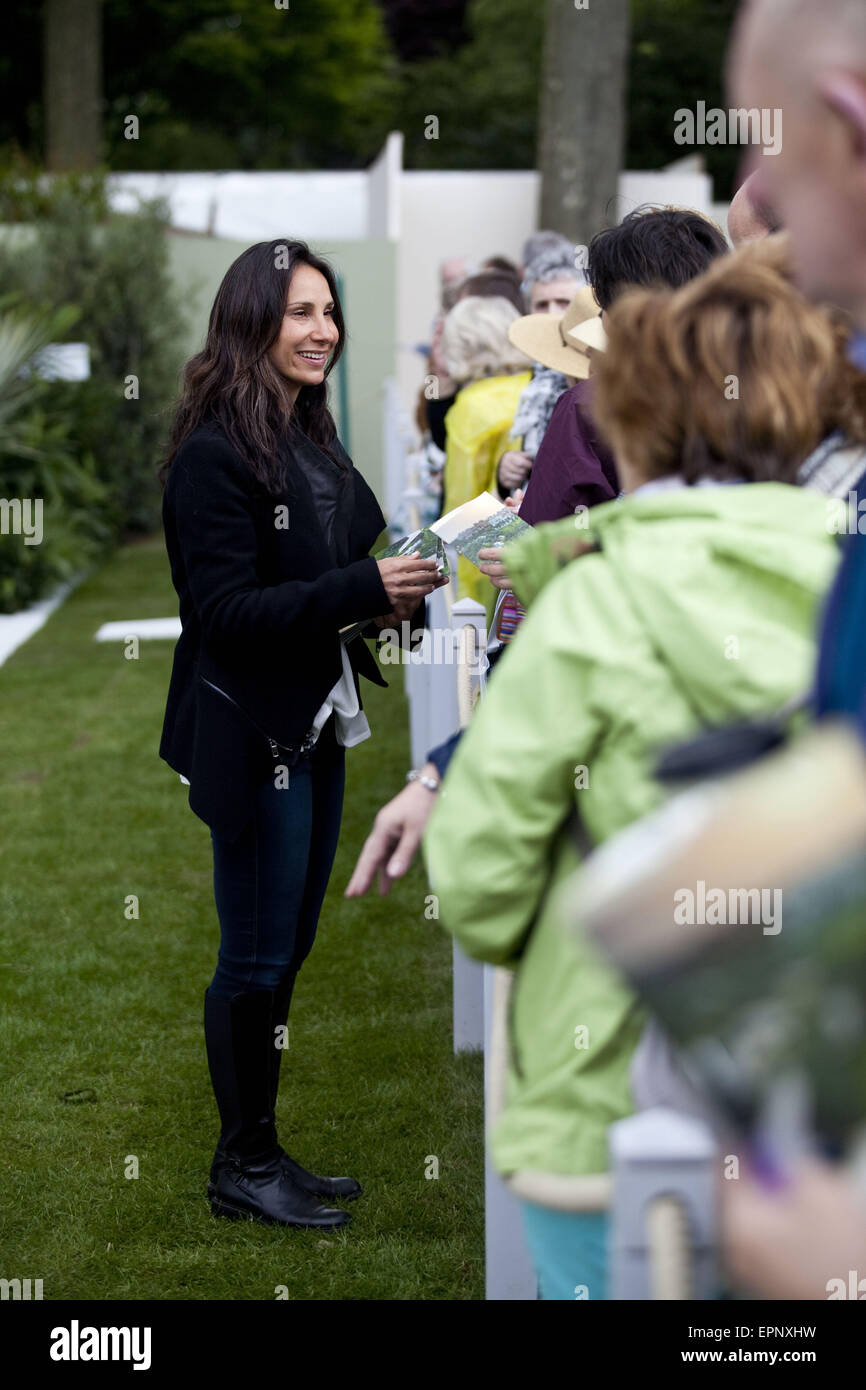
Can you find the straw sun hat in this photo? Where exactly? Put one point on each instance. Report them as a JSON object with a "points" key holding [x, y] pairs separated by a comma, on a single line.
{"points": [[562, 343]]}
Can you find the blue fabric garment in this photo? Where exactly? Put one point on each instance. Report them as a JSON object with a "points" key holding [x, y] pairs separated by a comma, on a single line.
{"points": [[857, 351], [569, 1250], [442, 755], [841, 681]]}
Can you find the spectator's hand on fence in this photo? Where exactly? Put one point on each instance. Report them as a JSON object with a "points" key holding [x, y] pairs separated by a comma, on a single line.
{"points": [[408, 579], [393, 842], [789, 1243], [493, 566], [514, 468]]}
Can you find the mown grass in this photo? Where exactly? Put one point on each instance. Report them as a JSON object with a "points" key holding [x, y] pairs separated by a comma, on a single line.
{"points": [[110, 1008]]}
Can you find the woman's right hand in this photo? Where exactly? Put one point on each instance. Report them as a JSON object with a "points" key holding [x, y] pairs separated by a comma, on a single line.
{"points": [[493, 566], [408, 579]]}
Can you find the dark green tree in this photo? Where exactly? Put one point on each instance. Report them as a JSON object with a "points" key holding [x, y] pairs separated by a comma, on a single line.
{"points": [[246, 85], [484, 95], [249, 86], [676, 60]]}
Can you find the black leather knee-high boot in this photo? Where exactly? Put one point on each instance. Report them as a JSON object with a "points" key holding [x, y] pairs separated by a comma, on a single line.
{"points": [[345, 1189], [252, 1181], [279, 1018]]}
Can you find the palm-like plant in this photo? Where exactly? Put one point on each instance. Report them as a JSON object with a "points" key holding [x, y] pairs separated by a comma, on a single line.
{"points": [[23, 335], [41, 457]]}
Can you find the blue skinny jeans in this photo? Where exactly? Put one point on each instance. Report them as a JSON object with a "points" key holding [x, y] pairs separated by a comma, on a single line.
{"points": [[270, 883]]}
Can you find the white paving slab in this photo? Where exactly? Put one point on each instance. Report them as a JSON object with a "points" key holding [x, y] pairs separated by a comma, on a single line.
{"points": [[149, 629], [18, 628]]}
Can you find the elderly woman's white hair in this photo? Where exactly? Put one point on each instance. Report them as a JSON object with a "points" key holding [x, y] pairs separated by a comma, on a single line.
{"points": [[475, 342], [553, 264]]}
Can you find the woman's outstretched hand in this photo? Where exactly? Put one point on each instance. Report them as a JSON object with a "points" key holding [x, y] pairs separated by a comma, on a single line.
{"points": [[393, 842]]}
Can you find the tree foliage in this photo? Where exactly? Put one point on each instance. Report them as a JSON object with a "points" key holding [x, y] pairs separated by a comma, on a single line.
{"points": [[484, 95], [41, 461], [93, 446], [676, 61], [244, 85]]}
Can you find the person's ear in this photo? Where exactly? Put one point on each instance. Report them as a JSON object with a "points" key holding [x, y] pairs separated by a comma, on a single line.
{"points": [[845, 95]]}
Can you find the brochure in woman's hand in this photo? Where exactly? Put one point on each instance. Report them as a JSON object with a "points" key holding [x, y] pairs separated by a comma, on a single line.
{"points": [[422, 543], [469, 528]]}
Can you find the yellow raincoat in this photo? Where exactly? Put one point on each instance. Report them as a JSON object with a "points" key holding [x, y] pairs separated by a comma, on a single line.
{"points": [[478, 429]]}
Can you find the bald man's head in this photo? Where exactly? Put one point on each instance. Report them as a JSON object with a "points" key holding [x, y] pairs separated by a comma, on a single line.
{"points": [[807, 58], [750, 216], [833, 26]]}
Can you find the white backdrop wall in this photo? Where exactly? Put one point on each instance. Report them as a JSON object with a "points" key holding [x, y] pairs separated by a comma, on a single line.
{"points": [[485, 214], [416, 219]]}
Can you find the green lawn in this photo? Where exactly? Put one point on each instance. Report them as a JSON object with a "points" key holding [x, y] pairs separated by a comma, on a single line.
{"points": [[110, 1008]]}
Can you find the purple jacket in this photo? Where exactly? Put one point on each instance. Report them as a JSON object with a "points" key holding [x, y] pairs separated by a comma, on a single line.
{"points": [[573, 467]]}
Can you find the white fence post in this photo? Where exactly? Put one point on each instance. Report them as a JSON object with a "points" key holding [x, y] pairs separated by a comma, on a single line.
{"points": [[397, 439], [468, 975], [468, 1005], [663, 1236], [419, 694], [443, 715], [455, 646]]}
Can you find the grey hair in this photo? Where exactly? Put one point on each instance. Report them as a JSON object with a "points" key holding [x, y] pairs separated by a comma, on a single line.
{"points": [[539, 242], [555, 263]]}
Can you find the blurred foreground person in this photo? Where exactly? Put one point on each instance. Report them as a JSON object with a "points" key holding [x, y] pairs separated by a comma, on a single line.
{"points": [[749, 218], [697, 605], [837, 465], [810, 61]]}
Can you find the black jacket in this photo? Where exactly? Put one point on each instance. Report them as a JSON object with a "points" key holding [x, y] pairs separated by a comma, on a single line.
{"points": [[261, 605]]}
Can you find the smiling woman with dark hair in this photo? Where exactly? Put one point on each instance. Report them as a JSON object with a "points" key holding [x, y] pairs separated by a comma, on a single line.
{"points": [[268, 527]]}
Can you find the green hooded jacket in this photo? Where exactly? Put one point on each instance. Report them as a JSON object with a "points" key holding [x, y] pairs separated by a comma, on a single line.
{"points": [[699, 607]]}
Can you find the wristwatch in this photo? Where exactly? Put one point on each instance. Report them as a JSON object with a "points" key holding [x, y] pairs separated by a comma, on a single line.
{"points": [[427, 782]]}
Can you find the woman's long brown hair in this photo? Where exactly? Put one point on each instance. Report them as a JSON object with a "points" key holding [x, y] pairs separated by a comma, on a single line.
{"points": [[233, 381]]}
